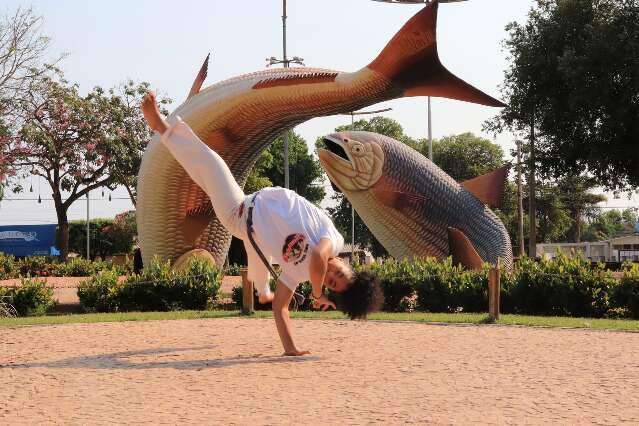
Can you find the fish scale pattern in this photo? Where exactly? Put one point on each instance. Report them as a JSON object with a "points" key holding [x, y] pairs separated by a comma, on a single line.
{"points": [[433, 201]]}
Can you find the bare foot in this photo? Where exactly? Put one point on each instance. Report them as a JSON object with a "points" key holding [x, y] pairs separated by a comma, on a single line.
{"points": [[152, 115]]}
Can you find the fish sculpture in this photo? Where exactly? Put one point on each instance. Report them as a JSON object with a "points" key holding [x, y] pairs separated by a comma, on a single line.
{"points": [[240, 117], [413, 207]]}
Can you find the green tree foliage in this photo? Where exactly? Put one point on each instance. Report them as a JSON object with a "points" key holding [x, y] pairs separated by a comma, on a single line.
{"points": [[305, 173], [77, 143], [573, 78], [466, 156], [108, 236], [609, 224]]}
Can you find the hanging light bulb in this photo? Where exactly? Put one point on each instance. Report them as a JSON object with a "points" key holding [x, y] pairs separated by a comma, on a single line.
{"points": [[103, 192], [39, 199], [31, 188], [109, 197]]}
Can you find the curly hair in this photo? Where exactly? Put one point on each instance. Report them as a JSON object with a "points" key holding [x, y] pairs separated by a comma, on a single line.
{"points": [[363, 295]]}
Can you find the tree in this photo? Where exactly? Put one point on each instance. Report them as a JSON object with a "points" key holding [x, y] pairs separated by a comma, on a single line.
{"points": [[21, 49], [76, 143], [133, 132], [579, 201], [572, 89], [610, 224], [466, 156]]}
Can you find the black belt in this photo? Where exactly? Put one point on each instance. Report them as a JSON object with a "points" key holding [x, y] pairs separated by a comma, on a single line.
{"points": [[298, 298]]}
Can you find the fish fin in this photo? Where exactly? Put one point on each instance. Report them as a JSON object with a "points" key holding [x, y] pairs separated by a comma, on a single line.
{"points": [[199, 79], [196, 221], [294, 79], [462, 250], [410, 60], [398, 200], [488, 188]]}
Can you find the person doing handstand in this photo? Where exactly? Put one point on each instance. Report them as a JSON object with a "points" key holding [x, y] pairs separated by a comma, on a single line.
{"points": [[285, 228]]}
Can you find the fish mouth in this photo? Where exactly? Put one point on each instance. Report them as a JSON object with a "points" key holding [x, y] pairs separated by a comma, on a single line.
{"points": [[335, 148], [336, 163]]}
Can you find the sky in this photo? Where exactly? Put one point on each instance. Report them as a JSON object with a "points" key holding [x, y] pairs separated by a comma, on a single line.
{"points": [[165, 42]]}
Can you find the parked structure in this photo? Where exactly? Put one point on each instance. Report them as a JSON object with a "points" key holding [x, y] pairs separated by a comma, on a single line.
{"points": [[613, 250]]}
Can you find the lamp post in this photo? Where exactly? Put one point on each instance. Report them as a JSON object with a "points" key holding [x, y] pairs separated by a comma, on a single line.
{"points": [[353, 114], [430, 129], [286, 63], [88, 229]]}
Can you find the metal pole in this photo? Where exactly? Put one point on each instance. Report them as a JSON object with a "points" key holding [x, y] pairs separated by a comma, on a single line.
{"points": [[286, 65], [88, 230], [430, 134], [352, 209]]}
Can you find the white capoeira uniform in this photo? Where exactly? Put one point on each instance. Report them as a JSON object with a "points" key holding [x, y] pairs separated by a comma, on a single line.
{"points": [[286, 226]]}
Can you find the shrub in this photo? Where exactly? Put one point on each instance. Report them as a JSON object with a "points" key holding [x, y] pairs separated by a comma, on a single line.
{"points": [[398, 281], [34, 266], [626, 295], [233, 269], [78, 267], [7, 266], [100, 293], [32, 297], [158, 288], [567, 286]]}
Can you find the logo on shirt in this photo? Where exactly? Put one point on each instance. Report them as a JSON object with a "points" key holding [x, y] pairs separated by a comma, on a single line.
{"points": [[295, 248]]}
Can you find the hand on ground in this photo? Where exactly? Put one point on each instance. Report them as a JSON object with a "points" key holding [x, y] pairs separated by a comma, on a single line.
{"points": [[296, 352]]}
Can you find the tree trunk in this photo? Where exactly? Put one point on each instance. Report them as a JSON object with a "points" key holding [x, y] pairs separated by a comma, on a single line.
{"points": [[63, 235], [520, 206], [532, 206], [577, 220]]}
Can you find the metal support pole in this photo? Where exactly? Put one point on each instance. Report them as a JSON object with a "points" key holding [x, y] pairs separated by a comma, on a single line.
{"points": [[88, 231], [352, 209], [286, 65], [430, 134]]}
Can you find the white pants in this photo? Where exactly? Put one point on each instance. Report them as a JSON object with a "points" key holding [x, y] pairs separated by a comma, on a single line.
{"points": [[210, 172]]}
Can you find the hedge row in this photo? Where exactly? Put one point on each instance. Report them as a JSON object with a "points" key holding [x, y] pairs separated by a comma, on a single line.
{"points": [[157, 288], [31, 297], [43, 266], [564, 286]]}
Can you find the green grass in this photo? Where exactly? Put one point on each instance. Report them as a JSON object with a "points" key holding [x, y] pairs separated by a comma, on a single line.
{"points": [[463, 318]]}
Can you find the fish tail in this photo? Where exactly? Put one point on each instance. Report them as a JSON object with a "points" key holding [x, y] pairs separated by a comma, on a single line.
{"points": [[410, 61]]}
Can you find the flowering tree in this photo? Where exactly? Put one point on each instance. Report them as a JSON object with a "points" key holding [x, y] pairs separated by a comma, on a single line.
{"points": [[77, 143]]}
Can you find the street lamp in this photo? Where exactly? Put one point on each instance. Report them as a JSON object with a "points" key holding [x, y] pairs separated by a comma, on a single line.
{"points": [[353, 114], [286, 63], [430, 128]]}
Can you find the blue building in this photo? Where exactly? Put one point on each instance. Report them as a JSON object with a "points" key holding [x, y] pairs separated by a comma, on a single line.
{"points": [[28, 240]]}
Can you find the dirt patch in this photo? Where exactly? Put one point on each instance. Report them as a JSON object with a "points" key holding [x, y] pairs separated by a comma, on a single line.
{"points": [[229, 371]]}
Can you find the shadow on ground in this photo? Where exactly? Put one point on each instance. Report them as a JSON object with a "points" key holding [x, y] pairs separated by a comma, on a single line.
{"points": [[124, 360]]}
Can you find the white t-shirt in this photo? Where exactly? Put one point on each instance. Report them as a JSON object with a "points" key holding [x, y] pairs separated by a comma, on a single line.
{"points": [[286, 228]]}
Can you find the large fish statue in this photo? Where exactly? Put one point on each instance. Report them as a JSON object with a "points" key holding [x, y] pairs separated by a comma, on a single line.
{"points": [[413, 207], [240, 117]]}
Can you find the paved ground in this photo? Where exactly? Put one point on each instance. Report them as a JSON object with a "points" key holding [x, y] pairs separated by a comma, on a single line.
{"points": [[228, 371]]}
